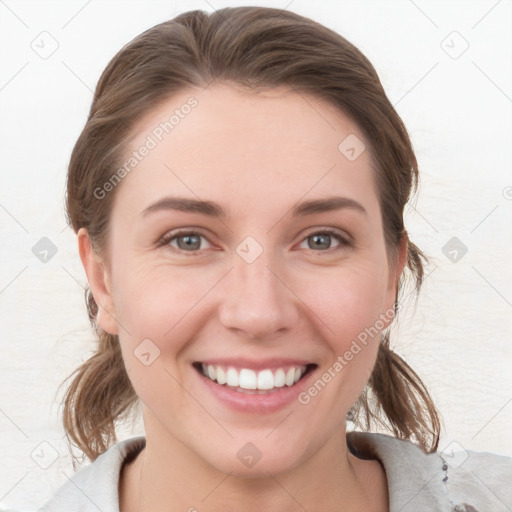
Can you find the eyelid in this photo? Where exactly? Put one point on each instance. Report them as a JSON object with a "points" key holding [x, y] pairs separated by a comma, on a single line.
{"points": [[344, 239], [170, 236]]}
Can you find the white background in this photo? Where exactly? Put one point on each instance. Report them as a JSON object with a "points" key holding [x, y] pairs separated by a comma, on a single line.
{"points": [[457, 110]]}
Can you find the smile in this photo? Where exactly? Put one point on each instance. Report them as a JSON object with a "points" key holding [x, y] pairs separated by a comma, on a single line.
{"points": [[251, 381], [248, 380], [250, 386]]}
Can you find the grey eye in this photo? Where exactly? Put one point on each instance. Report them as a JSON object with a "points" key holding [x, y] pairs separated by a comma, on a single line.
{"points": [[189, 242], [319, 241]]}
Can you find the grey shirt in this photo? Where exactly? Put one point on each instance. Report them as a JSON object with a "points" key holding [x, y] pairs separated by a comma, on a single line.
{"points": [[462, 482]]}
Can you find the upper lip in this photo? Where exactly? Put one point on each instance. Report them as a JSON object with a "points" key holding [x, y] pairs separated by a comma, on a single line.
{"points": [[252, 364]]}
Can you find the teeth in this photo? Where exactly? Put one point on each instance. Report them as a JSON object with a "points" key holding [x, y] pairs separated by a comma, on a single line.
{"points": [[265, 379], [248, 379], [221, 376], [232, 377], [290, 377], [251, 380], [279, 378]]}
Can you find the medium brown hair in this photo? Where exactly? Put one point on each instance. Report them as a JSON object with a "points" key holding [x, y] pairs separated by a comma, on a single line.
{"points": [[259, 48]]}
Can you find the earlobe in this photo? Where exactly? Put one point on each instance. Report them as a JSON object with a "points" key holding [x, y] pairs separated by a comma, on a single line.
{"points": [[99, 282]]}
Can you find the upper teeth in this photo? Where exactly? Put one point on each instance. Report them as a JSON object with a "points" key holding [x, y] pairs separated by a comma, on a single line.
{"points": [[249, 379]]}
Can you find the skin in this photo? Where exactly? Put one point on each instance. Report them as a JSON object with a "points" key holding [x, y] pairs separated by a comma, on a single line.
{"points": [[257, 154]]}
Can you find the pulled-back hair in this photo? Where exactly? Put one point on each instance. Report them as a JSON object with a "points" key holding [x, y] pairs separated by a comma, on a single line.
{"points": [[259, 48]]}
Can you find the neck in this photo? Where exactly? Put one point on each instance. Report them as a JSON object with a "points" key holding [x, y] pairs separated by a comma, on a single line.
{"points": [[161, 476]]}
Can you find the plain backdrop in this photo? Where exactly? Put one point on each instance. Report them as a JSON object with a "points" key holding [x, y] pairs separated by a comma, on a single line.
{"points": [[445, 65]]}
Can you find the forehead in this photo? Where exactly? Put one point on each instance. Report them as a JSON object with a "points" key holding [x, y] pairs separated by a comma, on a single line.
{"points": [[235, 145]]}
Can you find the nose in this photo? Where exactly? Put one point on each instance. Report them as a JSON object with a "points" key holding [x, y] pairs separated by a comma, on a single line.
{"points": [[257, 301]]}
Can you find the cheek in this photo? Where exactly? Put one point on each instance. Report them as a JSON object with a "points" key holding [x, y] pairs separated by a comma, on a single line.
{"points": [[158, 308], [167, 304], [161, 303], [348, 301], [350, 308], [351, 312]]}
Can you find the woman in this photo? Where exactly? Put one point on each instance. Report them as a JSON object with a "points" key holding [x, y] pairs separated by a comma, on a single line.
{"points": [[238, 195]]}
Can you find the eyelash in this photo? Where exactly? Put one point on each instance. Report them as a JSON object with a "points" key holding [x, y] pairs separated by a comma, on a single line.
{"points": [[344, 241]]}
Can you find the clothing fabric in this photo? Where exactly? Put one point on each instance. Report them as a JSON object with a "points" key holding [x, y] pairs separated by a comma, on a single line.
{"points": [[464, 481]]}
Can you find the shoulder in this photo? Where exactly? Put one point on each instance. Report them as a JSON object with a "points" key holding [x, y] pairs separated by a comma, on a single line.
{"points": [[463, 481], [95, 487], [480, 479]]}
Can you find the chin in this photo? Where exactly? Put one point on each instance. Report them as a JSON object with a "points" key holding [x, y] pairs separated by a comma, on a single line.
{"points": [[246, 459]]}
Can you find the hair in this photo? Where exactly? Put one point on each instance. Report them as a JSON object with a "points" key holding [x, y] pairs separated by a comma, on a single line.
{"points": [[259, 48]]}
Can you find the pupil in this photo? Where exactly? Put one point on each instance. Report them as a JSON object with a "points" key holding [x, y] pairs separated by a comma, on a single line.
{"points": [[321, 241]]}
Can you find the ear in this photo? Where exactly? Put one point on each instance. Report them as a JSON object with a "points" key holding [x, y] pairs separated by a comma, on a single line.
{"points": [[99, 282], [396, 267]]}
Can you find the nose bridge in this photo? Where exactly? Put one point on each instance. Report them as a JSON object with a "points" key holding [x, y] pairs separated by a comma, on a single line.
{"points": [[256, 279], [256, 300]]}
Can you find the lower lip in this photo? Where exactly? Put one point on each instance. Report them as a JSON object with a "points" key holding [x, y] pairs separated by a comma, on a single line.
{"points": [[256, 402]]}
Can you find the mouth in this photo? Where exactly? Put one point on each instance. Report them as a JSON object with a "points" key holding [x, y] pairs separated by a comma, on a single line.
{"points": [[254, 381]]}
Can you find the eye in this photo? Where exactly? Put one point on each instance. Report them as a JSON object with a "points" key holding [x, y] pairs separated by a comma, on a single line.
{"points": [[322, 240], [191, 242], [184, 241]]}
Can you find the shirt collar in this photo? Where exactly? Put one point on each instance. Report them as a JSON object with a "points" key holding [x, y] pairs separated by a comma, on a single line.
{"points": [[416, 480]]}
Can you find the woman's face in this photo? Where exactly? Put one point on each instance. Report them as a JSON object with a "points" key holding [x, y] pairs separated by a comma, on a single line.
{"points": [[247, 243]]}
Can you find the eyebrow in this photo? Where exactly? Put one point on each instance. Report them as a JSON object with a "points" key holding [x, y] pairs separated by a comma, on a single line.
{"points": [[212, 209], [326, 205]]}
